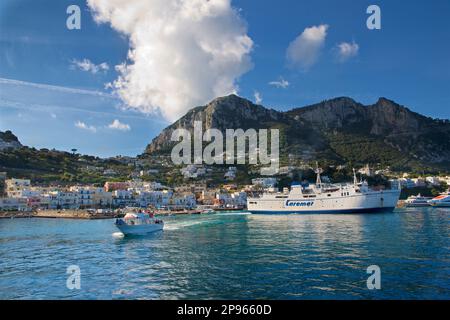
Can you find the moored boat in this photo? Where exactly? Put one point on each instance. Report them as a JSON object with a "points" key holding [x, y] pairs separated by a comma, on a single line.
{"points": [[417, 201], [354, 197], [442, 200]]}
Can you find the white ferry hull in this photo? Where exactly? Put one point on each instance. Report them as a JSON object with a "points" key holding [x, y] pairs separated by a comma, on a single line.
{"points": [[139, 229], [371, 202]]}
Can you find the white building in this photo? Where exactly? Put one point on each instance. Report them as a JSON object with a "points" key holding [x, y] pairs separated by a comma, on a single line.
{"points": [[434, 181], [13, 204], [89, 197], [64, 200], [85, 195], [124, 198], [14, 187], [232, 199], [153, 198], [185, 200]]}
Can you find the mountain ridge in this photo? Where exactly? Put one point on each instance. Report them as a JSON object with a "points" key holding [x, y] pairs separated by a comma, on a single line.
{"points": [[329, 130]]}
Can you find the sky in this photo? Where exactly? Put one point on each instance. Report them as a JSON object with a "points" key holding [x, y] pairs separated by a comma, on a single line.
{"points": [[136, 66]]}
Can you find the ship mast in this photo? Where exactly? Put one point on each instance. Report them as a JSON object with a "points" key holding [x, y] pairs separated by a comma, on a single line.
{"points": [[355, 179], [318, 179]]}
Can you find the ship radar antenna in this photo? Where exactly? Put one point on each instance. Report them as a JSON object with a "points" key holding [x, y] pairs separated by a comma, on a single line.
{"points": [[318, 171]]}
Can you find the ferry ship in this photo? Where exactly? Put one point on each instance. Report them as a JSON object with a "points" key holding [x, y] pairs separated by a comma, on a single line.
{"points": [[320, 197], [442, 200], [417, 201]]}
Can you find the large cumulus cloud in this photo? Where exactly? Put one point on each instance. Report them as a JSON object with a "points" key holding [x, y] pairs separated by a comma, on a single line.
{"points": [[182, 52]]}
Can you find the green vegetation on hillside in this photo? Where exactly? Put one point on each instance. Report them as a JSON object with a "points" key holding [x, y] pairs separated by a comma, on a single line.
{"points": [[45, 166]]}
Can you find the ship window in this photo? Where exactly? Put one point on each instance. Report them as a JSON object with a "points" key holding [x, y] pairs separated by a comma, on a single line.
{"points": [[329, 195]]}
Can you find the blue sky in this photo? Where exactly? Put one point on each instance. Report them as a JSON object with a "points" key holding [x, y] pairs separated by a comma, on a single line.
{"points": [[50, 96]]}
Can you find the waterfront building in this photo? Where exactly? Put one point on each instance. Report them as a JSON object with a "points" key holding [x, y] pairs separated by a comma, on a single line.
{"points": [[102, 198], [155, 198], [124, 198], [183, 200], [231, 199], [92, 197], [13, 204], [14, 187], [63, 200], [84, 196], [207, 197]]}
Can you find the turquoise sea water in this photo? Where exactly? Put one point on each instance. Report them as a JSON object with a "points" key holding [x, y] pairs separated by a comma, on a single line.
{"points": [[231, 256]]}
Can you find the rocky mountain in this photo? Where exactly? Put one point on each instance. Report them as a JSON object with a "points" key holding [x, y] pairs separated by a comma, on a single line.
{"points": [[9, 140], [339, 130]]}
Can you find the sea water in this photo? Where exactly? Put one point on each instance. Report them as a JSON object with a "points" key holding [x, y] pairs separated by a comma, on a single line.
{"points": [[231, 256]]}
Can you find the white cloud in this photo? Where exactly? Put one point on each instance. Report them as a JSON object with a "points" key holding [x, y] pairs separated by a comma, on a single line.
{"points": [[84, 126], [182, 53], [88, 66], [304, 51], [347, 50], [258, 97], [280, 83], [117, 125]]}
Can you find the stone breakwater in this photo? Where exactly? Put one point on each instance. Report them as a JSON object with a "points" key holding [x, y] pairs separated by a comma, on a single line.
{"points": [[61, 214]]}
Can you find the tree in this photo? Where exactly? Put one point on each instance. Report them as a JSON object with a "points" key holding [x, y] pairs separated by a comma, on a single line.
{"points": [[73, 150]]}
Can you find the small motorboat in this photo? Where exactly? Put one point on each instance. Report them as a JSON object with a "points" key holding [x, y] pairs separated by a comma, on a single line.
{"points": [[417, 201], [139, 223], [442, 200]]}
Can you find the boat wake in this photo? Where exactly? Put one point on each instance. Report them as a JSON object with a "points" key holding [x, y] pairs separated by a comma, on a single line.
{"points": [[179, 225]]}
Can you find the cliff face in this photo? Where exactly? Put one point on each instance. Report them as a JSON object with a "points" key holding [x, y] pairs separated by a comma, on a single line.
{"points": [[231, 112], [398, 127], [9, 140], [337, 129]]}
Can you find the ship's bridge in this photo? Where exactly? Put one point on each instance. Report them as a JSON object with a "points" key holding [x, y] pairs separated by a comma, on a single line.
{"points": [[296, 188]]}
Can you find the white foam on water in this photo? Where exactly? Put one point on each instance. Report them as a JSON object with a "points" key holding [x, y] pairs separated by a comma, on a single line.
{"points": [[179, 225], [233, 214], [118, 235]]}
